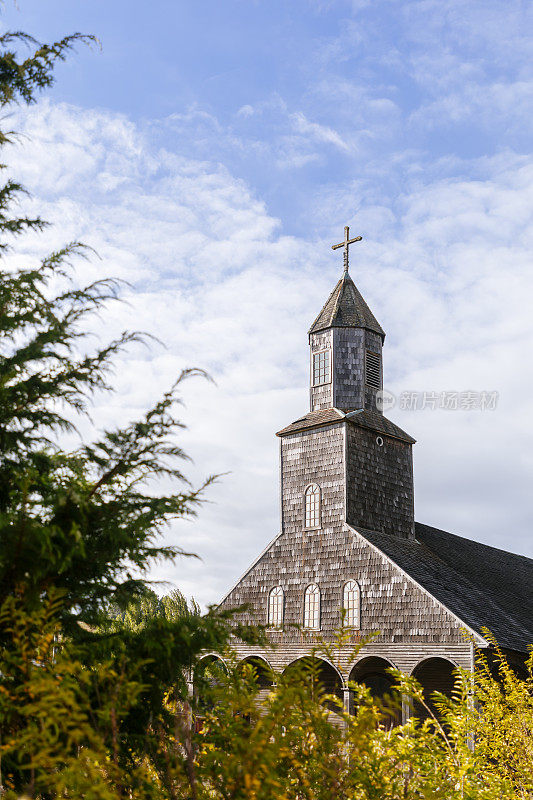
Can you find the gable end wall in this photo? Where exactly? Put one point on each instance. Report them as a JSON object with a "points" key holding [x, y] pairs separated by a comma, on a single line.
{"points": [[392, 605]]}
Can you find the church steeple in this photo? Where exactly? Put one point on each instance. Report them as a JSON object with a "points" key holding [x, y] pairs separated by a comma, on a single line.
{"points": [[345, 308], [346, 342]]}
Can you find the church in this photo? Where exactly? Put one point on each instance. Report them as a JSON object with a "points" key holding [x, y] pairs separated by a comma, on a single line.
{"points": [[350, 553]]}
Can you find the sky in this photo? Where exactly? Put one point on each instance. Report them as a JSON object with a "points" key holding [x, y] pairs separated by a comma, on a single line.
{"points": [[212, 151]]}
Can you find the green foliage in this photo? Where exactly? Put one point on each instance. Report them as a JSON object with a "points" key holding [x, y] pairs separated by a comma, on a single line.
{"points": [[148, 606], [72, 733], [502, 721], [80, 699], [290, 745], [52, 734], [21, 79]]}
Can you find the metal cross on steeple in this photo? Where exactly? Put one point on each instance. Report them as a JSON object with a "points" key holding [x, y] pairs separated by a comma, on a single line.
{"points": [[347, 242]]}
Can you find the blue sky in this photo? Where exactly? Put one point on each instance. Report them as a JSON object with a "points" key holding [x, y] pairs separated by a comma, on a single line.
{"points": [[300, 98], [213, 151]]}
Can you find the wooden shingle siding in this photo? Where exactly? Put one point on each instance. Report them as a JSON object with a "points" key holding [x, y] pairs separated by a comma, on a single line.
{"points": [[348, 367], [380, 493], [348, 389], [346, 308], [391, 603], [373, 484], [408, 625]]}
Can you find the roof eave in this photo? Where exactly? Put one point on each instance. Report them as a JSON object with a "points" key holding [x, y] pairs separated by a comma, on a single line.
{"points": [[317, 424], [347, 416], [317, 329], [401, 435]]}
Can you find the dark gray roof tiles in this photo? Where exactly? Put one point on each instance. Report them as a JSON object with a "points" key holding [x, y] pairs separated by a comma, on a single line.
{"points": [[375, 421], [372, 420], [312, 420], [346, 308], [483, 586]]}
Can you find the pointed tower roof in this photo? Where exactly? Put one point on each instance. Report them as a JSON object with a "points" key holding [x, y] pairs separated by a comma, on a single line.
{"points": [[346, 308]]}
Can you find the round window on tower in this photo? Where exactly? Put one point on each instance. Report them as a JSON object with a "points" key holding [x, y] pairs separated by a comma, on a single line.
{"points": [[379, 441]]}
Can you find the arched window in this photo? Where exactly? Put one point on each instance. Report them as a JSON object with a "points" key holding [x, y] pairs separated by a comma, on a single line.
{"points": [[351, 603], [312, 607], [312, 506], [275, 607]]}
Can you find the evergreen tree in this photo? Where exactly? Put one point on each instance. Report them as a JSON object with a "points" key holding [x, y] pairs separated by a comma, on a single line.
{"points": [[78, 530]]}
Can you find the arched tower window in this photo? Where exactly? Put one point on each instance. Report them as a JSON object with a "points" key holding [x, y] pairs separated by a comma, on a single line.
{"points": [[351, 603], [275, 607], [312, 607], [312, 506]]}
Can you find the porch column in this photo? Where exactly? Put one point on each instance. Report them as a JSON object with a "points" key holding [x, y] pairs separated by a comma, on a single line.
{"points": [[406, 711], [348, 700]]}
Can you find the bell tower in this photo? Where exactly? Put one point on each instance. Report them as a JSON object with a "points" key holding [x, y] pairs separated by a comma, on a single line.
{"points": [[343, 461], [346, 342]]}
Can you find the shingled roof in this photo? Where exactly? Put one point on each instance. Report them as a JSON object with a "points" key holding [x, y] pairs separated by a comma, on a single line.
{"points": [[483, 586], [346, 308], [372, 420]]}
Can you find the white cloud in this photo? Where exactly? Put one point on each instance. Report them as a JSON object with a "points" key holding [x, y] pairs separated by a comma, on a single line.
{"points": [[246, 111], [434, 65], [481, 103], [444, 265], [321, 133]]}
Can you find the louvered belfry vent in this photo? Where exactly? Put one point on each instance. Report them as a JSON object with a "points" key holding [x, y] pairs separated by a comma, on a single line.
{"points": [[373, 370]]}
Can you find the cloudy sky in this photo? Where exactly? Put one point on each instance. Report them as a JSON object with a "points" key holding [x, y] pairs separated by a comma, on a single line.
{"points": [[212, 151]]}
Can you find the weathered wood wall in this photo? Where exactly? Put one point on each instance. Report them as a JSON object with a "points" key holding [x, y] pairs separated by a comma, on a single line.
{"points": [[391, 603], [380, 491]]}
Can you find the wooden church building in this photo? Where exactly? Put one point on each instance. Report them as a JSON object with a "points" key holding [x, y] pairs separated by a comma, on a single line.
{"points": [[349, 551]]}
